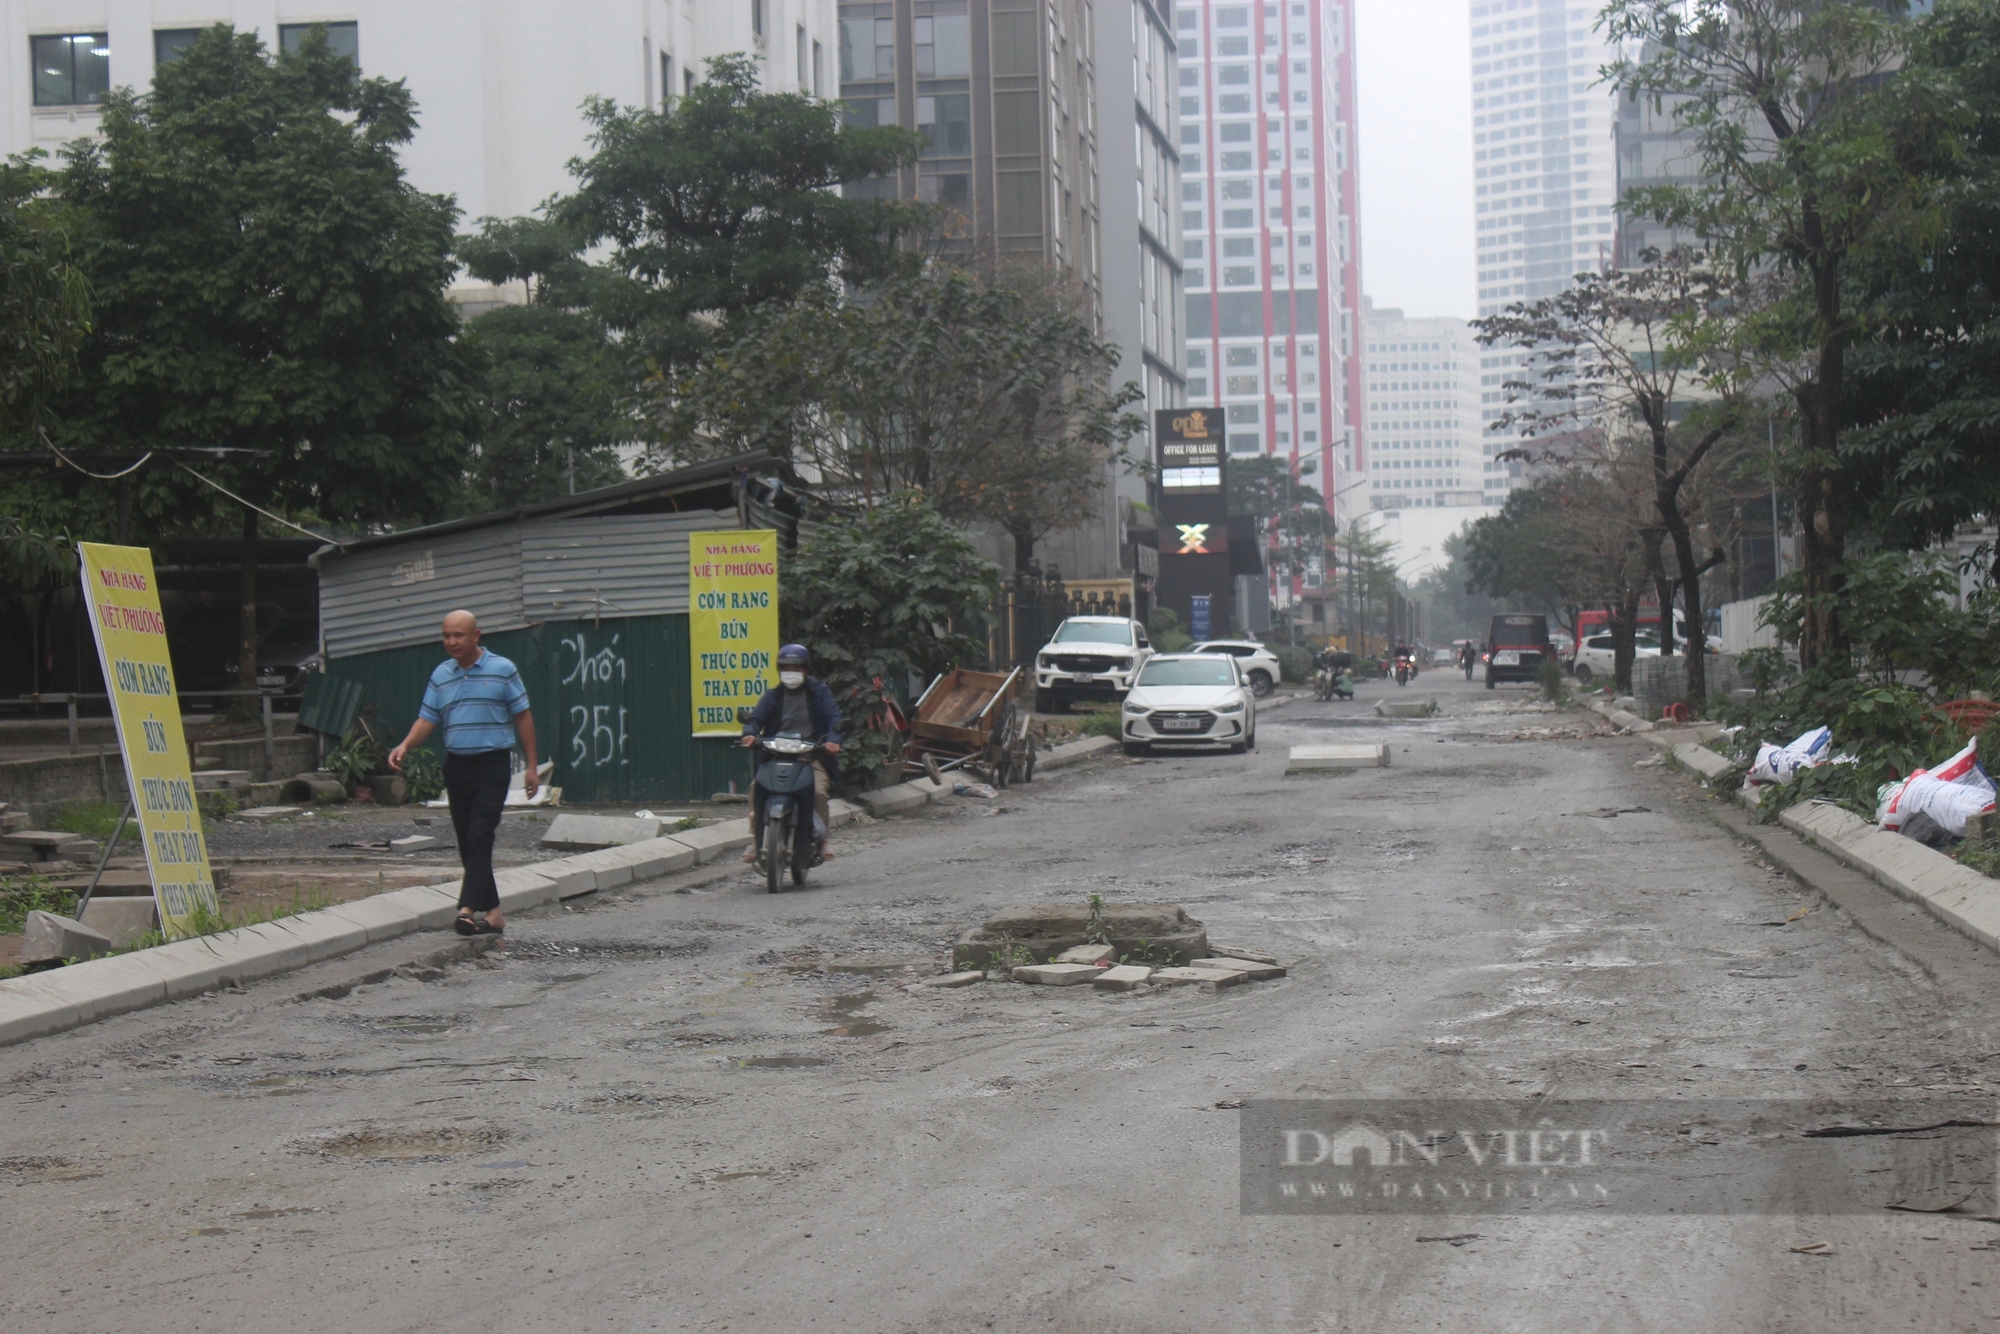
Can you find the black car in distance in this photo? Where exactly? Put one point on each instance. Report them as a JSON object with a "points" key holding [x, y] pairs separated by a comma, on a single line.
{"points": [[1515, 647]]}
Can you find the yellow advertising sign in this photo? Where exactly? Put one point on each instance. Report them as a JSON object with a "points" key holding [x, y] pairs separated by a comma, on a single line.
{"points": [[732, 624], [124, 602]]}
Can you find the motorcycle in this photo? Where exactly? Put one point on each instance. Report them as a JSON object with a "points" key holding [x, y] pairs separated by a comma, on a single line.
{"points": [[1406, 669], [784, 787], [1323, 684]]}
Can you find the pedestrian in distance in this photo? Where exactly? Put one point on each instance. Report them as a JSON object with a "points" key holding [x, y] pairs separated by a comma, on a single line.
{"points": [[802, 705], [477, 698]]}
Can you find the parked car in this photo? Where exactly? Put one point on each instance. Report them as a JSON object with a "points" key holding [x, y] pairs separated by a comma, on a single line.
{"points": [[1259, 664], [1515, 647], [1089, 657], [1597, 658], [1182, 698], [1443, 657]]}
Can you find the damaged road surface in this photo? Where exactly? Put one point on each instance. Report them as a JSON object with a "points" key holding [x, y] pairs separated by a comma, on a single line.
{"points": [[720, 1108]]}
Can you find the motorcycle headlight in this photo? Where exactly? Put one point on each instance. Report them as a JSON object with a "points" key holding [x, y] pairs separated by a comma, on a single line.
{"points": [[1135, 706], [1233, 706]]}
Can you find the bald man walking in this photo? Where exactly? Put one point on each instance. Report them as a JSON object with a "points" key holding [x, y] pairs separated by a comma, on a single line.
{"points": [[478, 698]]}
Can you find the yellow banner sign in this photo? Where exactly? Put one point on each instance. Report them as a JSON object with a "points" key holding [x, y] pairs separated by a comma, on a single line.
{"points": [[732, 624], [124, 602]]}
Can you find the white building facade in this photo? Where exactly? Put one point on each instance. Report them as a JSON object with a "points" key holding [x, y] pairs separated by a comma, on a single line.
{"points": [[1545, 180], [498, 83]]}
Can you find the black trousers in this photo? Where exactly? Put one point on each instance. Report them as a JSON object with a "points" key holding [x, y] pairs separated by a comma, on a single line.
{"points": [[475, 784]]}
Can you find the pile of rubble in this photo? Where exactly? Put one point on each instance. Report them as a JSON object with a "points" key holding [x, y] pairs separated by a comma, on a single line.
{"points": [[1109, 946]]}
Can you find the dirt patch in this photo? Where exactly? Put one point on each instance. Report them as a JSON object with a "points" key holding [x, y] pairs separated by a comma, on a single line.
{"points": [[25, 1170], [404, 1145]]}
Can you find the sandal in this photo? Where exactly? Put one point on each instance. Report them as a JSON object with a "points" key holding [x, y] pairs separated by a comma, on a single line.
{"points": [[482, 927], [465, 925]]}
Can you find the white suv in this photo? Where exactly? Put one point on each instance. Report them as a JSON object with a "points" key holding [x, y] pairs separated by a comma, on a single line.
{"points": [[1259, 664], [1089, 657]]}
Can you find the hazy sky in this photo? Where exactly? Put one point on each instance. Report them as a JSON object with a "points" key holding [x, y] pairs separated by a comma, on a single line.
{"points": [[1415, 137]]}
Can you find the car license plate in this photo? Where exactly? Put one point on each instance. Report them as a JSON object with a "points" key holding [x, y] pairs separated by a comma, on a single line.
{"points": [[1082, 678], [1180, 724], [1507, 660]]}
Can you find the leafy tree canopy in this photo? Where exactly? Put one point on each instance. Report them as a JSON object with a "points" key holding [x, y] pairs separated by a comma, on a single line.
{"points": [[549, 414]]}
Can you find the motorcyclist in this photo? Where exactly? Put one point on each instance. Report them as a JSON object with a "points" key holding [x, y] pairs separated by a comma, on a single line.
{"points": [[803, 705]]}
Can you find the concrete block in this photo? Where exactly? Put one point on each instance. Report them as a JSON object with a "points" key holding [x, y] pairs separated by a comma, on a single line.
{"points": [[1304, 759], [122, 920], [325, 934], [1406, 708], [1074, 752], [45, 840], [264, 814], [1239, 952], [715, 840], [1057, 974], [651, 860], [521, 889], [892, 800], [382, 917], [965, 979], [433, 905], [598, 831], [108, 986], [1158, 933], [27, 1011], [48, 936], [1700, 759], [1091, 954], [1122, 978], [840, 813], [1208, 979], [414, 843], [571, 877], [219, 780], [251, 952], [185, 968], [606, 867], [1256, 972]]}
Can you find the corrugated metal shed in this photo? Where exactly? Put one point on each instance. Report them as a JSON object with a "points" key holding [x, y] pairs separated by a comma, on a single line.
{"points": [[397, 595], [608, 565]]}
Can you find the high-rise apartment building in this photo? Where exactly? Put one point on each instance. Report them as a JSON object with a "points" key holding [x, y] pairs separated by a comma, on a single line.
{"points": [[1544, 175], [1421, 396], [499, 84], [1271, 226]]}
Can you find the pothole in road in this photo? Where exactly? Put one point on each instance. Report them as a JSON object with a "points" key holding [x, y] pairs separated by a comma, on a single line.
{"points": [[405, 1145]]}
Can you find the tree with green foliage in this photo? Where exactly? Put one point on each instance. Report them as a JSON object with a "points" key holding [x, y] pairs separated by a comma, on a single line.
{"points": [[717, 202], [1812, 132], [1924, 387], [877, 595], [1292, 520], [551, 408], [44, 297], [265, 279], [990, 397]]}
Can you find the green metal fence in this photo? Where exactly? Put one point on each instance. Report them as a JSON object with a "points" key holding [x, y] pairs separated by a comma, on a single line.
{"points": [[610, 700]]}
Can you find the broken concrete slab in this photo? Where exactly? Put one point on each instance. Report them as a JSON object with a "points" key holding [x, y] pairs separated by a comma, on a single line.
{"points": [[964, 979], [1094, 954], [891, 800], [1124, 977], [1256, 972], [122, 920], [1208, 979], [220, 780], [1057, 974], [1157, 933], [1406, 708], [585, 833], [414, 843], [263, 814], [714, 840], [1239, 952], [1075, 752], [48, 936], [1303, 759]]}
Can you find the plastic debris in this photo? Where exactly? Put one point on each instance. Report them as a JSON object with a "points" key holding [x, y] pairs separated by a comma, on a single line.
{"points": [[1775, 764], [973, 790]]}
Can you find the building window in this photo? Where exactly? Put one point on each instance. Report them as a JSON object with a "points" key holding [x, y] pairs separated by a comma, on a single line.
{"points": [[1240, 356], [169, 44], [687, 82], [1198, 386], [344, 38], [805, 75], [1196, 277], [867, 48], [757, 19], [866, 113], [1197, 358], [1236, 16], [1192, 248], [1238, 217], [1240, 276], [666, 77], [1241, 384], [819, 65], [943, 46], [71, 70], [1236, 161]]}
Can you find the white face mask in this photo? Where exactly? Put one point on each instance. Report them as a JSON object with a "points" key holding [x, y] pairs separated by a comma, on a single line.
{"points": [[792, 680]]}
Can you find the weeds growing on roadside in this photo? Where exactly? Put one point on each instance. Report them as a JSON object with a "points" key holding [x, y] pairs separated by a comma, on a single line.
{"points": [[1554, 689], [22, 895], [87, 819]]}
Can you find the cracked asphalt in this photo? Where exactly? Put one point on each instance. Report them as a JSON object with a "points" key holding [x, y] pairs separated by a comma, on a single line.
{"points": [[696, 1106]]}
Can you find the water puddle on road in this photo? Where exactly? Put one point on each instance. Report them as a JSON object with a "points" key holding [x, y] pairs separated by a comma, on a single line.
{"points": [[840, 1008]]}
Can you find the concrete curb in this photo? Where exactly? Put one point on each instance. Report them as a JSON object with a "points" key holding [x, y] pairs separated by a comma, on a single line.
{"points": [[1074, 752], [66, 998], [1956, 895], [900, 797], [1626, 719]]}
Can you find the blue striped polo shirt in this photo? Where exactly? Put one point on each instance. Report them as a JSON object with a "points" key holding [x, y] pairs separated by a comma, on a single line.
{"points": [[475, 704]]}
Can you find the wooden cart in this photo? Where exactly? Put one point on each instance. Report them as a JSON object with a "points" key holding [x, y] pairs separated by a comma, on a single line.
{"points": [[967, 721]]}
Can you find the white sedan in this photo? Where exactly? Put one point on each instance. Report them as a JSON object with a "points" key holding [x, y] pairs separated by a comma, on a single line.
{"points": [[1190, 697], [1259, 664], [1595, 658]]}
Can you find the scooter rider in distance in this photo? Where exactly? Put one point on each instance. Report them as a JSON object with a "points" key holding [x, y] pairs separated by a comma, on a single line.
{"points": [[802, 705]]}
